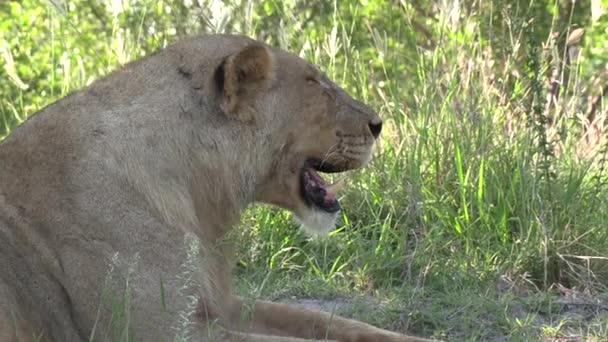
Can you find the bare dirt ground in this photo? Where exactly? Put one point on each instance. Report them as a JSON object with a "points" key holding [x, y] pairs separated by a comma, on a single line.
{"points": [[568, 316]]}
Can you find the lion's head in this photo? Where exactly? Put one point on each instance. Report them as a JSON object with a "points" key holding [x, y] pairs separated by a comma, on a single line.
{"points": [[312, 126]]}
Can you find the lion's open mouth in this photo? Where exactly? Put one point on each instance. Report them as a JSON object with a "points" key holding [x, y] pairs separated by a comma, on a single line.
{"points": [[316, 191]]}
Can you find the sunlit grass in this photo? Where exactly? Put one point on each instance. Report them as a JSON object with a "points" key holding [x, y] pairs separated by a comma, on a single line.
{"points": [[474, 179]]}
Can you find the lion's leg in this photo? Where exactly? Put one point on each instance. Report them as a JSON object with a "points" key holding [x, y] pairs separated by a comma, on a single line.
{"points": [[15, 326], [263, 317], [233, 336]]}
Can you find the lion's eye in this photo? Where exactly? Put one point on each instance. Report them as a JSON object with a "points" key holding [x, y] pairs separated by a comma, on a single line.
{"points": [[312, 80]]}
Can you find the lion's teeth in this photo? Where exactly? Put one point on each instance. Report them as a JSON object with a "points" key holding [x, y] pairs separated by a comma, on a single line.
{"points": [[332, 189]]}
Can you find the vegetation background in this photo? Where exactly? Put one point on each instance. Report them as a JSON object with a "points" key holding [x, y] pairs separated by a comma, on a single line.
{"points": [[484, 215]]}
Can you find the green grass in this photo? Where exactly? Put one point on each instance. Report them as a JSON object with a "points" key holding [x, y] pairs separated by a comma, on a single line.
{"points": [[482, 216]]}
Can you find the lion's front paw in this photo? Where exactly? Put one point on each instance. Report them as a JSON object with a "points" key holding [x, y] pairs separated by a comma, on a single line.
{"points": [[384, 336]]}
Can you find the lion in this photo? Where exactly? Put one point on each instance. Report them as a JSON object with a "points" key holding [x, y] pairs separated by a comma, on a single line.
{"points": [[154, 164]]}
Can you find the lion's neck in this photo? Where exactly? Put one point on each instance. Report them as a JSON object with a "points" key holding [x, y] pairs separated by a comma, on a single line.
{"points": [[200, 188]]}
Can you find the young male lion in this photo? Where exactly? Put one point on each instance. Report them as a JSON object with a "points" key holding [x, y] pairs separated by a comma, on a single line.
{"points": [[153, 165]]}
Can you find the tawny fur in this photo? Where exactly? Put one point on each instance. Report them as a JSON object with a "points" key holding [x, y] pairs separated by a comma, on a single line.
{"points": [[125, 192]]}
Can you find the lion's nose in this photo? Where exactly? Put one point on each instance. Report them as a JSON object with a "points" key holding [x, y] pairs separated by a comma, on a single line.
{"points": [[375, 126]]}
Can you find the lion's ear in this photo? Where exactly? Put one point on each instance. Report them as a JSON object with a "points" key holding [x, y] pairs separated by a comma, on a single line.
{"points": [[246, 74]]}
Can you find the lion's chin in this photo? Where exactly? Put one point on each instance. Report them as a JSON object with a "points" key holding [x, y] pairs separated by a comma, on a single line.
{"points": [[316, 222]]}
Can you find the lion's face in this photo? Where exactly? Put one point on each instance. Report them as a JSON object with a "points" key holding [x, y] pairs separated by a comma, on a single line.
{"points": [[310, 125], [315, 127]]}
